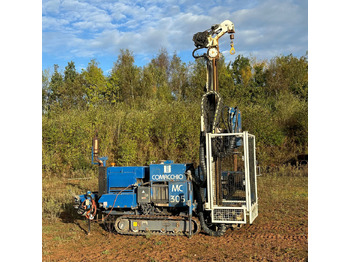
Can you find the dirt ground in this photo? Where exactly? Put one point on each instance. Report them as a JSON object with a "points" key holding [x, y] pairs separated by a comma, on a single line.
{"points": [[280, 233]]}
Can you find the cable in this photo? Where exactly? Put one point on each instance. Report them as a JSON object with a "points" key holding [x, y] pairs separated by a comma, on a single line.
{"points": [[115, 200]]}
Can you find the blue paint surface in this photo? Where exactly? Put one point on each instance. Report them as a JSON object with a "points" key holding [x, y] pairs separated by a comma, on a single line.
{"points": [[167, 172], [124, 200]]}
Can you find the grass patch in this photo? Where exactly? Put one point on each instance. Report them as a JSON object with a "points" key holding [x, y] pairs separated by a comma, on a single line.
{"points": [[57, 196]]}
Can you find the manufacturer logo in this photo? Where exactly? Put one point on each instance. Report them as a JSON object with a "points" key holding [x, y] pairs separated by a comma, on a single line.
{"points": [[168, 177], [167, 168]]}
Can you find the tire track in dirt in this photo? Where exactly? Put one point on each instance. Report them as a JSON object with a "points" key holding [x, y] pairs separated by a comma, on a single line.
{"points": [[271, 236], [278, 237], [288, 233], [270, 227]]}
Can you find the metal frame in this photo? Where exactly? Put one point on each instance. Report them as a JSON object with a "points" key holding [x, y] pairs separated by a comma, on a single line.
{"points": [[244, 221], [246, 205], [253, 209]]}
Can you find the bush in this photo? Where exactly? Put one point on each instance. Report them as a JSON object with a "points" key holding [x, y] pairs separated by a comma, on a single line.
{"points": [[128, 136], [272, 99]]}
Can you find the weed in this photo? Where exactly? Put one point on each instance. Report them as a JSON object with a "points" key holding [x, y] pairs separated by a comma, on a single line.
{"points": [[57, 196], [51, 207], [58, 238]]}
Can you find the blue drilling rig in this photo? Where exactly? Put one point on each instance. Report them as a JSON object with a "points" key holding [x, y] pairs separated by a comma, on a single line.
{"points": [[168, 198]]}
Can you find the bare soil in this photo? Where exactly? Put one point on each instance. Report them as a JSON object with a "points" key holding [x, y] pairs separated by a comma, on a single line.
{"points": [[280, 233]]}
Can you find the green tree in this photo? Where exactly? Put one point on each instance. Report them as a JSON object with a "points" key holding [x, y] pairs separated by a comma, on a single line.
{"points": [[178, 75], [259, 73], [72, 92], [159, 67], [241, 70], [95, 83], [197, 79], [127, 76], [148, 83], [55, 88], [249, 80], [226, 83], [288, 74], [70, 73], [113, 90], [45, 90]]}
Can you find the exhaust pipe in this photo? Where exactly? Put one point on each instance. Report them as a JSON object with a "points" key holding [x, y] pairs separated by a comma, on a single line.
{"points": [[95, 148]]}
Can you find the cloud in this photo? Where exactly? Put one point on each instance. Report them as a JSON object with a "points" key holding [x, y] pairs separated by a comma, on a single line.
{"points": [[53, 24], [51, 6], [96, 28]]}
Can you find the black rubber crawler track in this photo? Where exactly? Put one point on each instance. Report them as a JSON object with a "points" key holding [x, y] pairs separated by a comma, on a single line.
{"points": [[197, 227]]}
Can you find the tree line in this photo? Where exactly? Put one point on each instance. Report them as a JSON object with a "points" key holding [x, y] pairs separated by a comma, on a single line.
{"points": [[135, 107]]}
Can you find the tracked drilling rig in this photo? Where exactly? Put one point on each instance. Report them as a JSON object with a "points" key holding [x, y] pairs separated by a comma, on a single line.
{"points": [[180, 199]]}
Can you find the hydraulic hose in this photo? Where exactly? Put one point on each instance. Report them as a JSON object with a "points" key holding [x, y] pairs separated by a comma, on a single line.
{"points": [[221, 231], [202, 161], [198, 56], [222, 227]]}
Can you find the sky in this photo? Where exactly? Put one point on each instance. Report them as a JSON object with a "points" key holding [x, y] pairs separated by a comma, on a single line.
{"points": [[76, 30]]}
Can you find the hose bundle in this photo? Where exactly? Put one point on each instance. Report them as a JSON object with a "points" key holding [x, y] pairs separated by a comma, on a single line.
{"points": [[200, 39]]}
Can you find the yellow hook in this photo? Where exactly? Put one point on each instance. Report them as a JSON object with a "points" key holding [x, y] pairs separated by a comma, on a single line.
{"points": [[232, 51]]}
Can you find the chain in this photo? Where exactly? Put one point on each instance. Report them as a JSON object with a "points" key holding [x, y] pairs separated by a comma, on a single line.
{"points": [[232, 51]]}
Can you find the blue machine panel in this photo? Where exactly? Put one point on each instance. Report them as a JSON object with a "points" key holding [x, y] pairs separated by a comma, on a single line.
{"points": [[139, 171], [120, 180], [124, 200], [178, 194], [119, 177], [167, 172], [235, 119]]}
